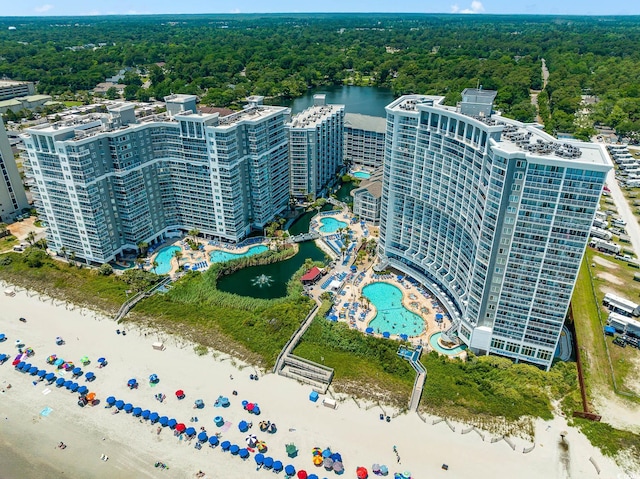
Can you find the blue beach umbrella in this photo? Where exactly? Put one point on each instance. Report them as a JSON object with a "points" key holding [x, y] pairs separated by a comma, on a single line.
{"points": [[386, 334], [234, 449], [190, 431], [326, 453], [74, 387], [76, 371], [26, 367], [369, 330], [128, 407], [60, 382], [131, 382], [244, 404], [58, 362], [243, 426], [259, 458], [68, 384], [336, 457], [154, 416], [172, 423], [313, 476], [50, 377], [89, 376], [119, 403], [2, 337], [164, 421], [214, 441], [83, 390], [289, 470], [256, 410], [268, 462], [101, 360], [19, 365], [111, 400], [243, 453], [41, 373], [137, 411], [202, 436], [145, 414], [277, 466], [225, 445], [404, 337]]}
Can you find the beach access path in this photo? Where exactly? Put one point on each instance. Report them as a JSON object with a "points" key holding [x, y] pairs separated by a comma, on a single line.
{"points": [[29, 438]]}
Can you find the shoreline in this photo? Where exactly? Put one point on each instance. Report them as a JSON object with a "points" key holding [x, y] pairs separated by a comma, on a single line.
{"points": [[134, 446]]}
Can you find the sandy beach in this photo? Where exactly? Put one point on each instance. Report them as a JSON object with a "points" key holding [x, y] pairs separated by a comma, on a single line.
{"points": [[29, 439]]}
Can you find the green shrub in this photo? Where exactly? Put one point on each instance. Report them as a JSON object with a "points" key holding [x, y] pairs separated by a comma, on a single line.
{"points": [[105, 270]]}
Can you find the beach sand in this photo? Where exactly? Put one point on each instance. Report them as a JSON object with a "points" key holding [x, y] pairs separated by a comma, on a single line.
{"points": [[28, 443]]}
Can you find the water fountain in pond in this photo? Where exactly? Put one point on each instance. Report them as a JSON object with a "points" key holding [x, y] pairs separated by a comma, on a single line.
{"points": [[262, 280]]}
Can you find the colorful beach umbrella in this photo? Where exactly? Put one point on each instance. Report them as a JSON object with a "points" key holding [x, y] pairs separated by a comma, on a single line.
{"points": [[317, 460]]}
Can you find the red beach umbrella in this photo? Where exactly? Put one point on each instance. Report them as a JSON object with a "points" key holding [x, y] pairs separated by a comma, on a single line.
{"points": [[362, 473], [302, 474], [179, 393], [180, 427], [251, 406]]}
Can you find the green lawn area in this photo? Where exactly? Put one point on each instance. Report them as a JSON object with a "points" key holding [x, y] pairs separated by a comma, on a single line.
{"points": [[70, 103], [7, 242]]}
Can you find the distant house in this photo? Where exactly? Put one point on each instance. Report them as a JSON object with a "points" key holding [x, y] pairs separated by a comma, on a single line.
{"points": [[102, 88]]}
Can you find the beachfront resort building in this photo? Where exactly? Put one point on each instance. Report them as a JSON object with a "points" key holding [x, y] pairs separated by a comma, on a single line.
{"points": [[12, 196], [491, 215], [364, 141], [315, 148], [103, 183], [367, 198]]}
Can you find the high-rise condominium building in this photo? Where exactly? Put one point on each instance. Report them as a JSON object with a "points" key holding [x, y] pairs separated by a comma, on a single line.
{"points": [[315, 148], [12, 195], [105, 183], [490, 214], [364, 141]]}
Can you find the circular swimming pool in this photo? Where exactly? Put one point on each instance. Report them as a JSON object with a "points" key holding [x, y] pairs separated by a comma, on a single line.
{"points": [[392, 316]]}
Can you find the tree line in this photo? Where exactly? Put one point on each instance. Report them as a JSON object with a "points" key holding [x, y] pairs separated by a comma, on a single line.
{"points": [[224, 58]]}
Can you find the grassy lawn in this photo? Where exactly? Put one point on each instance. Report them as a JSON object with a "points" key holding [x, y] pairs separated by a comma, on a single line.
{"points": [[7, 242], [70, 103]]}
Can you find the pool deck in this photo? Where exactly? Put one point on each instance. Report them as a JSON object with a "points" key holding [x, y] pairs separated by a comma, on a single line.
{"points": [[190, 256]]}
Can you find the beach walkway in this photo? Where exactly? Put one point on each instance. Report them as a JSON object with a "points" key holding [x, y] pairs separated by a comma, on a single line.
{"points": [[131, 302], [317, 375], [413, 356]]}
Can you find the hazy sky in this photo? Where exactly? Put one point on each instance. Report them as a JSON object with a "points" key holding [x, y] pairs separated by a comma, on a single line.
{"points": [[110, 7]]}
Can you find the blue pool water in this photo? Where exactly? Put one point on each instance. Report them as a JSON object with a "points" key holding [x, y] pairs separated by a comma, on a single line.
{"points": [[331, 225], [391, 315], [221, 256], [362, 175], [433, 341], [164, 259]]}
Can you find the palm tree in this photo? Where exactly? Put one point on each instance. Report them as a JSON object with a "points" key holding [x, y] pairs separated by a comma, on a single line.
{"points": [[3, 229], [178, 256], [154, 265], [194, 233], [72, 258], [139, 262], [63, 250], [143, 246], [31, 237]]}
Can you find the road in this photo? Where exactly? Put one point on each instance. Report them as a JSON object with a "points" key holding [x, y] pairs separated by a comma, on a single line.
{"points": [[624, 211]]}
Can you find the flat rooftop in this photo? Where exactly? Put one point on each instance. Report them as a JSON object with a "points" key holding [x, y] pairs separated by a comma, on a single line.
{"points": [[12, 83], [314, 115], [515, 136], [365, 122], [254, 113]]}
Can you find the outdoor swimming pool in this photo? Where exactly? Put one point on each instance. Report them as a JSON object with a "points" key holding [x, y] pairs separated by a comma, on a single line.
{"points": [[363, 175], [331, 225], [392, 316], [164, 258], [221, 256], [433, 341]]}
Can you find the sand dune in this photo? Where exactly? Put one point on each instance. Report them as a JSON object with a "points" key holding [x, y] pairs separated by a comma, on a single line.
{"points": [[29, 439]]}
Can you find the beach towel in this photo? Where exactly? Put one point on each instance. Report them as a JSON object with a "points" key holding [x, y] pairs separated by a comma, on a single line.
{"points": [[226, 426], [46, 411]]}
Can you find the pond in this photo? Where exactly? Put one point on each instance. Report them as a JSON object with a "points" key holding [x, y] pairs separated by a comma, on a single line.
{"points": [[356, 99]]}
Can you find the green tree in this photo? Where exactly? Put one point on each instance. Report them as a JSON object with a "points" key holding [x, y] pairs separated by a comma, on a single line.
{"points": [[112, 93]]}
